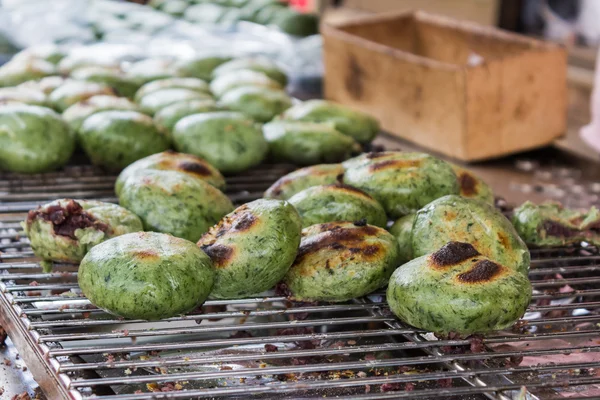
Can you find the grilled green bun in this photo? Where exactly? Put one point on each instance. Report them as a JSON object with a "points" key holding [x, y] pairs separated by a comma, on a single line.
{"points": [[456, 219], [65, 230], [115, 139], [303, 178], [260, 103], [169, 116], [153, 102], [402, 182], [45, 85], [172, 161], [146, 275], [360, 126], [226, 82], [174, 202], [339, 261], [113, 77], [151, 69], [307, 143], [551, 224], [78, 112], [194, 84], [337, 202], [72, 92], [471, 186], [457, 290], [252, 247], [201, 67], [33, 139], [259, 64], [402, 231], [18, 71], [23, 95], [228, 140]]}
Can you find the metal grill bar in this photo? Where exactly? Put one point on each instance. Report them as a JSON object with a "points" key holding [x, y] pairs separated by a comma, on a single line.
{"points": [[323, 337]]}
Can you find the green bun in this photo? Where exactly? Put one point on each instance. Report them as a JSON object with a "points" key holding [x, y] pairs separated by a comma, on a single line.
{"points": [[72, 62], [471, 186], [339, 261], [204, 13], [115, 139], [23, 95], [228, 140], [259, 103], [303, 178], [50, 53], [146, 275], [78, 112], [65, 230], [551, 224], [72, 92], [174, 202], [16, 72], [337, 202], [402, 231], [295, 23], [456, 219], [307, 143], [402, 182], [172, 161], [45, 85], [200, 67], [259, 64], [168, 117], [252, 248], [358, 125], [155, 101], [113, 77], [151, 69], [456, 290], [33, 139], [194, 84], [223, 83]]}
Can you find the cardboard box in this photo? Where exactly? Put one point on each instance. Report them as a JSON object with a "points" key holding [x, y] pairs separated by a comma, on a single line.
{"points": [[468, 91]]}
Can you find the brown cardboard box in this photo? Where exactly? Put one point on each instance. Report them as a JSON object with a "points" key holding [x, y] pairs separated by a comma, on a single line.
{"points": [[465, 90]]}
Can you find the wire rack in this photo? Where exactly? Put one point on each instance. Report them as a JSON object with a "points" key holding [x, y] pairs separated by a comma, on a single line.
{"points": [[269, 347]]}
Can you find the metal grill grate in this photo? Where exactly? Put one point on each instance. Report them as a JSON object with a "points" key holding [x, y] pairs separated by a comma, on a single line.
{"points": [[268, 347]]}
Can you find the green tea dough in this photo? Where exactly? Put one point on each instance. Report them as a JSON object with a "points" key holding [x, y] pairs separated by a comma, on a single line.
{"points": [[78, 112], [33, 139], [72, 92], [402, 231], [259, 64], [18, 71], [65, 230], [151, 69], [113, 77], [358, 125], [228, 140], [200, 67], [454, 218], [174, 202], [402, 182], [455, 290], [168, 117], [471, 186], [146, 275], [303, 178], [194, 84], [159, 99], [172, 161], [23, 95], [115, 139], [340, 261], [307, 143], [337, 202], [259, 103], [223, 83], [252, 248]]}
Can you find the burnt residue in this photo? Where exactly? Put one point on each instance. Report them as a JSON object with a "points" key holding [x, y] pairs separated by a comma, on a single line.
{"points": [[194, 168], [244, 222], [468, 184], [482, 271], [354, 80], [339, 238], [556, 229], [377, 154], [453, 253], [146, 254], [361, 222], [394, 164], [218, 253], [67, 219]]}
